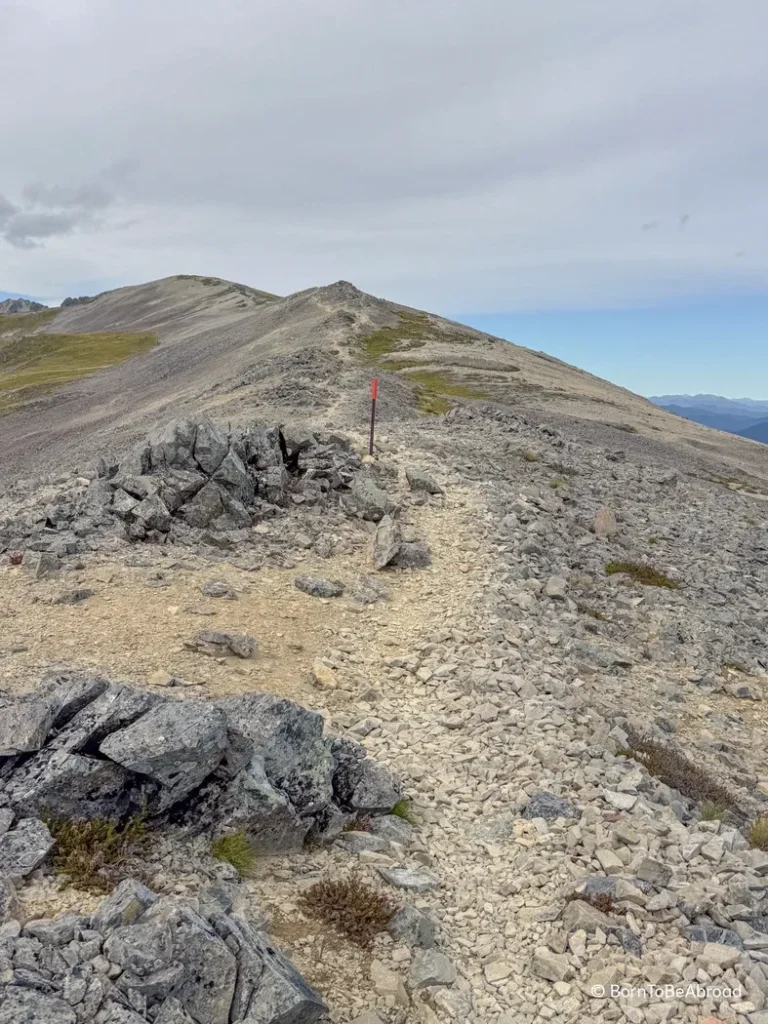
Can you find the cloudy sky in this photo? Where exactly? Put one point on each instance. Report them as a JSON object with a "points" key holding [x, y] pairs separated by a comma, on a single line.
{"points": [[560, 158]]}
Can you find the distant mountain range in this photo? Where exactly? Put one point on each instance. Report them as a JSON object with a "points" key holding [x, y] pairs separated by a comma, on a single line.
{"points": [[746, 417], [20, 306]]}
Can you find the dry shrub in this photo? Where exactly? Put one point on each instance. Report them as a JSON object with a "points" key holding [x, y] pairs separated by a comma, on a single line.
{"points": [[645, 574], [93, 855], [351, 906]]}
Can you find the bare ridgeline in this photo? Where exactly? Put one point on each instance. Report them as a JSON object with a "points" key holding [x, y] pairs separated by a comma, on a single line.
{"points": [[536, 784]]}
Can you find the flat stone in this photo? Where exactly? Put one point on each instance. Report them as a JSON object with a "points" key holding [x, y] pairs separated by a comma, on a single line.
{"points": [[579, 914], [414, 927], [548, 806], [609, 862], [389, 985], [413, 879], [652, 871], [319, 587], [28, 1006], [429, 967], [549, 965], [497, 971]]}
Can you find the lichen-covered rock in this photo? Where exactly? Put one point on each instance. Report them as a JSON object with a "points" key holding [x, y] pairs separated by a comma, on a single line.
{"points": [[24, 847], [24, 724], [177, 745]]}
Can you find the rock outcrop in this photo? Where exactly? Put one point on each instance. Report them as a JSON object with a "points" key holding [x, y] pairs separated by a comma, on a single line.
{"points": [[91, 748], [142, 957]]}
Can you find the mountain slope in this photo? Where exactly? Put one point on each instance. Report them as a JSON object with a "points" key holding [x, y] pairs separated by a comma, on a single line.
{"points": [[240, 353], [757, 432], [12, 306]]}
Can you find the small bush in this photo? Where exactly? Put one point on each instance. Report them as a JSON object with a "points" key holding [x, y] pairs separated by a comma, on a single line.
{"points": [[593, 613], [758, 834], [653, 540], [235, 849], [555, 484], [362, 824], [676, 771], [404, 809], [93, 854], [351, 906], [640, 573], [711, 811], [530, 457]]}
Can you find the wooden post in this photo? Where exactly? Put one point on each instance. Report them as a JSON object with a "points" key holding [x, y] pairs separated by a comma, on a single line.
{"points": [[374, 396]]}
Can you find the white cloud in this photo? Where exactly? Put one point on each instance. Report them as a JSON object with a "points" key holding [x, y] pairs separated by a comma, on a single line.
{"points": [[464, 157]]}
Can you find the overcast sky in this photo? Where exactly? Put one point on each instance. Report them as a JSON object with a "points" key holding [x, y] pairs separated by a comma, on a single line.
{"points": [[473, 157]]}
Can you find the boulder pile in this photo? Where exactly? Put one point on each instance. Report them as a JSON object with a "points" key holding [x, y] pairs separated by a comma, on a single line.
{"points": [[194, 481], [83, 747], [141, 957]]}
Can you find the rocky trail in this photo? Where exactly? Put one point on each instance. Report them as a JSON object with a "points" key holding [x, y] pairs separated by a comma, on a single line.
{"points": [[561, 660]]}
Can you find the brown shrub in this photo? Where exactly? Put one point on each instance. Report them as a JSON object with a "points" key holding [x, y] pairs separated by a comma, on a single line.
{"points": [[351, 906]]}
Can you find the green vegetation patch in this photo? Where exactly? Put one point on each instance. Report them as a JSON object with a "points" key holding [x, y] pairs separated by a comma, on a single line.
{"points": [[36, 364], [644, 574], [404, 809], [758, 834], [26, 321], [236, 849], [92, 855]]}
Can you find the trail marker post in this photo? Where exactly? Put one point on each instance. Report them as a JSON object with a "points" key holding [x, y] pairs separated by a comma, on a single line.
{"points": [[374, 396]]}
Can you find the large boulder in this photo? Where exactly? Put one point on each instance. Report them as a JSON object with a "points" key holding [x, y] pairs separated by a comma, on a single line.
{"points": [[74, 786], [289, 740], [211, 446], [177, 744], [369, 499]]}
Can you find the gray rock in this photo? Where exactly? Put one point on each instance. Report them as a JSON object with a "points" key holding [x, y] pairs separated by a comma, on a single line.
{"points": [[172, 1012], [6, 819], [429, 967], [420, 481], [386, 542], [28, 1006], [653, 872], [369, 499], [76, 786], [117, 707], [123, 906], [69, 692], [711, 933], [115, 1013], [270, 990], [213, 641], [289, 739], [413, 879], [153, 514], [206, 507], [549, 965], [177, 744], [211, 446], [363, 842], [9, 903], [318, 587], [548, 806], [57, 932], [24, 724], [24, 847], [412, 555], [178, 486], [413, 927], [218, 588], [41, 563]]}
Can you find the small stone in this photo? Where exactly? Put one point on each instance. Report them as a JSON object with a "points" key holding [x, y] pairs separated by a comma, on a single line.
{"points": [[497, 971], [389, 985], [412, 879], [323, 676], [414, 927], [318, 587], [609, 862], [652, 871], [549, 965], [430, 967], [218, 588]]}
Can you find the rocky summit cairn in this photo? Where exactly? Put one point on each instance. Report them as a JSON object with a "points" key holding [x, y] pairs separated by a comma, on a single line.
{"points": [[141, 957], [195, 483]]}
